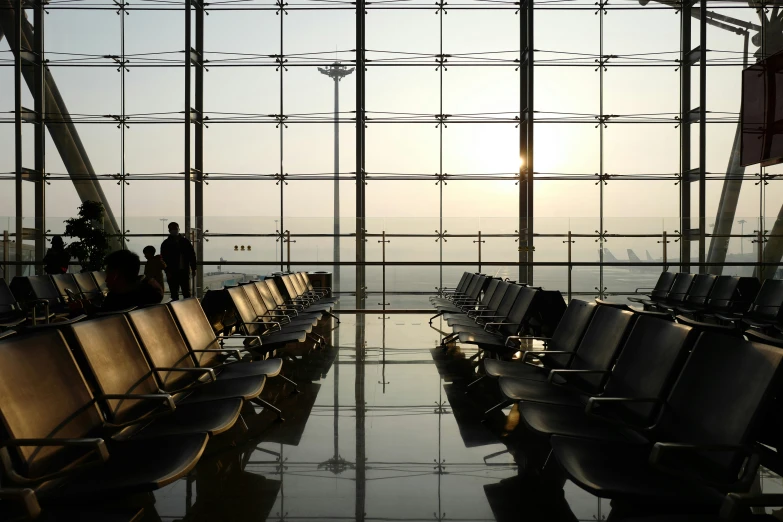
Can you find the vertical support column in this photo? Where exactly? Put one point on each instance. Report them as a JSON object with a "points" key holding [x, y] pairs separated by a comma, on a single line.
{"points": [[281, 125], [359, 386], [685, 136], [360, 174], [336, 231], [40, 136], [441, 125], [601, 123], [121, 4], [361, 415], [199, 147], [188, 106], [570, 242], [18, 17], [702, 134], [526, 126]]}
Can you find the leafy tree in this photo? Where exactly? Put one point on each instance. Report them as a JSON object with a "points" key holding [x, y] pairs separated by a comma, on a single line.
{"points": [[92, 241]]}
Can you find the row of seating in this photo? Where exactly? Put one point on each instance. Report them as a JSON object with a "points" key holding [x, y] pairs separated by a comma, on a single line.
{"points": [[140, 393], [39, 299], [707, 295], [287, 299], [124, 403], [655, 415], [494, 314], [739, 306]]}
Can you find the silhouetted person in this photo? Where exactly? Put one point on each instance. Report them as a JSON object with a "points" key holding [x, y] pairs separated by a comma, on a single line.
{"points": [[126, 288], [180, 259], [155, 265], [56, 259]]}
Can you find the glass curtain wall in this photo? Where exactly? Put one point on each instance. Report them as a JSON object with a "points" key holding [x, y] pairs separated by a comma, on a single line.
{"points": [[245, 121]]}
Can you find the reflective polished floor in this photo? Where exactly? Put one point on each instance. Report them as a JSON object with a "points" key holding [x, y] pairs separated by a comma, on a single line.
{"points": [[381, 430]]}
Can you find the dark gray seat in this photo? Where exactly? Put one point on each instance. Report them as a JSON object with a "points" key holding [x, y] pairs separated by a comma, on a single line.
{"points": [[67, 435], [765, 311], [264, 328], [565, 340], [206, 347], [11, 314], [586, 374], [662, 287], [150, 370], [66, 287], [487, 310], [88, 287], [729, 295], [701, 445], [676, 294], [494, 335], [280, 309], [304, 322], [697, 295], [648, 363]]}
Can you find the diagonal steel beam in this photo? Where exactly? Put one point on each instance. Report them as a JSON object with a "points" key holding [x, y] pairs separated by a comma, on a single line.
{"points": [[61, 128]]}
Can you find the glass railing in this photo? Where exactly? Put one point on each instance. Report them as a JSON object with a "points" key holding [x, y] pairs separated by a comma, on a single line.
{"points": [[408, 259]]}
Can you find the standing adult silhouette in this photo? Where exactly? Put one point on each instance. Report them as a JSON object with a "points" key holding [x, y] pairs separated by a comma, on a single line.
{"points": [[57, 258], [180, 259]]}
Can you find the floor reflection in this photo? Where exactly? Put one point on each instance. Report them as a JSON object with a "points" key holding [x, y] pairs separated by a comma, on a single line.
{"points": [[381, 429]]}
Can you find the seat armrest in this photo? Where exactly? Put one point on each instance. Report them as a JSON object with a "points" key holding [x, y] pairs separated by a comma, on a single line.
{"points": [[738, 503], [564, 372], [265, 323], [223, 339], [166, 398], [96, 443], [534, 353], [209, 371], [521, 338], [23, 497], [97, 447], [40, 327], [233, 351], [593, 402], [501, 323], [752, 459]]}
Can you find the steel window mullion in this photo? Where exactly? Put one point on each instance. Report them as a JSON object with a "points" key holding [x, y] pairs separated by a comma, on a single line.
{"points": [[40, 136]]}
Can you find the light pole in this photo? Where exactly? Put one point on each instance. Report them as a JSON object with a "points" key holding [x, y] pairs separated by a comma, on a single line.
{"points": [[742, 233], [337, 72]]}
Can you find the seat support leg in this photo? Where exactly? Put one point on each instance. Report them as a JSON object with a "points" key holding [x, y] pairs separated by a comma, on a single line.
{"points": [[473, 383], [436, 315], [446, 340], [330, 314], [315, 339], [499, 406], [278, 411], [286, 379]]}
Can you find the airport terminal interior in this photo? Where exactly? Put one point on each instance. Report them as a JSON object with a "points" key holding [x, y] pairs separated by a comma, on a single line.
{"points": [[391, 260]]}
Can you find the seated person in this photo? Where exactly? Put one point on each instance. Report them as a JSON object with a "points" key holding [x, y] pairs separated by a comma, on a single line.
{"points": [[126, 288]]}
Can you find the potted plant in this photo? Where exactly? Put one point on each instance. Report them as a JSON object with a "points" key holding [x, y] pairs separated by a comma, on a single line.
{"points": [[92, 242]]}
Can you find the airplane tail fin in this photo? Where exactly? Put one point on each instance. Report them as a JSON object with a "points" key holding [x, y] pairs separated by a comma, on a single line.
{"points": [[649, 257], [632, 257], [608, 256]]}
